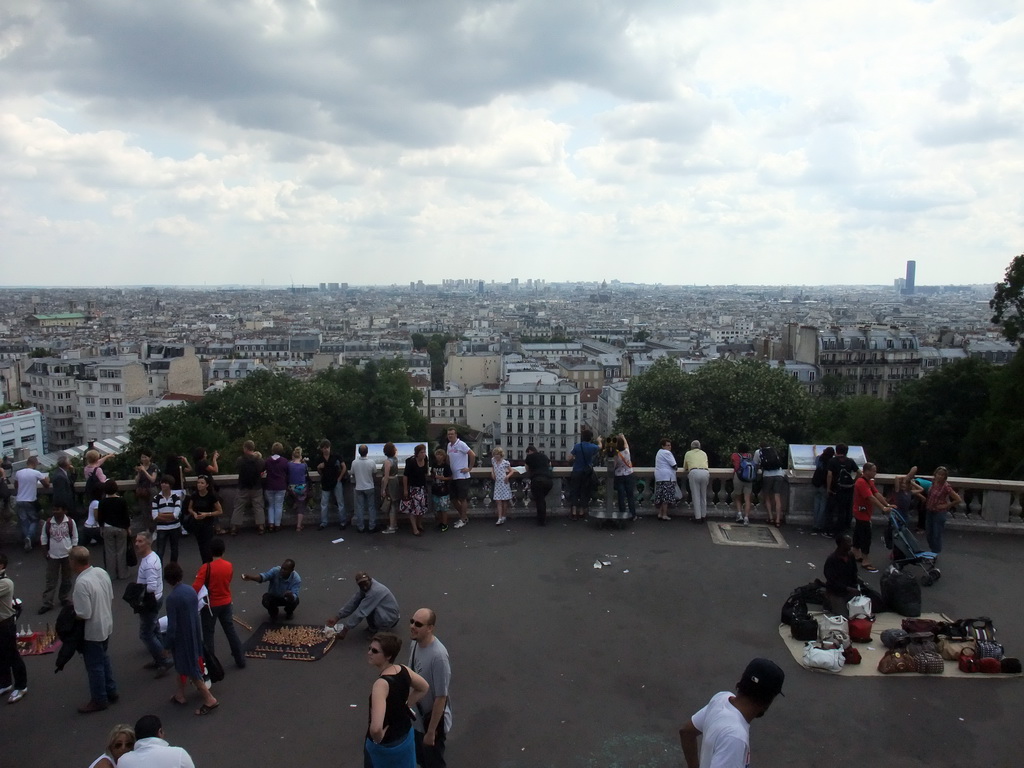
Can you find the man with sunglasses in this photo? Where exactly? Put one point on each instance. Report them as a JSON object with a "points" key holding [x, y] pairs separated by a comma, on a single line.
{"points": [[373, 602], [429, 658]]}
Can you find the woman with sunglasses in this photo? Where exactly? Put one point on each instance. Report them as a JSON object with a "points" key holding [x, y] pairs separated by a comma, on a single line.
{"points": [[390, 742], [120, 740]]}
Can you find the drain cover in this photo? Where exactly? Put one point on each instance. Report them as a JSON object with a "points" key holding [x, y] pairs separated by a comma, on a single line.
{"points": [[747, 535]]}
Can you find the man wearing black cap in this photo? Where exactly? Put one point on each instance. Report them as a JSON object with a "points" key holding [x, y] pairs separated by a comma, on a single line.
{"points": [[724, 723]]}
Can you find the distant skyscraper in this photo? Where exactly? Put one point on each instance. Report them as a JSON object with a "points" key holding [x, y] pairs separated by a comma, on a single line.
{"points": [[911, 270]]}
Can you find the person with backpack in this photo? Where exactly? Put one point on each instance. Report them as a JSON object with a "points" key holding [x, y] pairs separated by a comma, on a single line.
{"points": [[767, 460], [59, 535], [743, 475], [821, 490], [840, 478]]}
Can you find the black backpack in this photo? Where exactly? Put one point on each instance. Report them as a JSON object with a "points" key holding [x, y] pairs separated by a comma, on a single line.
{"points": [[845, 478], [770, 459], [93, 487]]}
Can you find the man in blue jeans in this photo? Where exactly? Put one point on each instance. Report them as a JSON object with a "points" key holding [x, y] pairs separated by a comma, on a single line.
{"points": [[93, 600], [333, 470], [363, 470], [151, 575]]}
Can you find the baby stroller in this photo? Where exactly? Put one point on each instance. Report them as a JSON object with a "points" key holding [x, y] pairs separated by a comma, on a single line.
{"points": [[906, 551]]}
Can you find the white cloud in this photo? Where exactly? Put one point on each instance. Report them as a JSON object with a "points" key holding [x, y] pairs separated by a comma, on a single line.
{"points": [[528, 137]]}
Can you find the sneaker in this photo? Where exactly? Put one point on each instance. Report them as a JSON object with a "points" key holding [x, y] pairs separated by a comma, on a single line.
{"points": [[322, 526], [44, 609], [389, 529], [6, 689], [17, 695], [28, 544], [746, 521], [443, 527], [459, 524], [501, 521], [739, 519], [870, 568]]}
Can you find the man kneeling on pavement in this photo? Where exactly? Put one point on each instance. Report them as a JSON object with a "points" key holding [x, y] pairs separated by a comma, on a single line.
{"points": [[373, 602]]}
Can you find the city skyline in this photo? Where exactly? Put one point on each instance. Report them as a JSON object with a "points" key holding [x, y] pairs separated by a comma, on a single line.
{"points": [[652, 143]]}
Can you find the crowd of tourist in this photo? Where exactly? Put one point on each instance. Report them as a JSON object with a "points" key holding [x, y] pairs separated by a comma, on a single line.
{"points": [[182, 641]]}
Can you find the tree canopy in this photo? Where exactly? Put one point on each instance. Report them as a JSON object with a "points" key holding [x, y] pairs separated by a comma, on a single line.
{"points": [[346, 405], [723, 404], [1007, 303]]}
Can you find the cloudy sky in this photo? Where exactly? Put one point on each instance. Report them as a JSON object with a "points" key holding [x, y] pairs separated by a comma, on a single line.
{"points": [[377, 142]]}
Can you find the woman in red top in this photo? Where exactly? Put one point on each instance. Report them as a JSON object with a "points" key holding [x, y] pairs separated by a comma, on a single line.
{"points": [[865, 498], [216, 576]]}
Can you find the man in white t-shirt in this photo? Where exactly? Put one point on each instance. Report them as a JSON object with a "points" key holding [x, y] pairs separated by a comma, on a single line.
{"points": [[363, 470], [151, 574], [151, 748], [26, 482], [723, 725], [461, 459]]}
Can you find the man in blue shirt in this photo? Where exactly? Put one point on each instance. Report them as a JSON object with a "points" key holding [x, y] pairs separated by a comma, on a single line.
{"points": [[283, 584]]}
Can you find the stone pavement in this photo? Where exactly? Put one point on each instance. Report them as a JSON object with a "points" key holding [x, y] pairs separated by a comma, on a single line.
{"points": [[555, 663]]}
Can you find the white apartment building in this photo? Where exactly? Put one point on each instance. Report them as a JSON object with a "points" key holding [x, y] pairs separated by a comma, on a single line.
{"points": [[608, 406], [85, 399], [483, 408], [104, 390], [545, 415], [447, 406], [21, 434]]}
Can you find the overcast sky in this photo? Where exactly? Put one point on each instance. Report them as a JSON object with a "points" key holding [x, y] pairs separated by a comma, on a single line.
{"points": [[377, 142]]}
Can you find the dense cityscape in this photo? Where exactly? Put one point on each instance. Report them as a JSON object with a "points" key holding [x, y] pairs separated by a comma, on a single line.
{"points": [[80, 365]]}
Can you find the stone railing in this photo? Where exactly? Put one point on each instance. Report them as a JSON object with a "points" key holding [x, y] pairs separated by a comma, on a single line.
{"points": [[988, 505]]}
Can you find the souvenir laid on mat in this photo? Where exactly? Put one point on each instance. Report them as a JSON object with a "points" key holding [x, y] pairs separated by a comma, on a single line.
{"points": [[292, 643]]}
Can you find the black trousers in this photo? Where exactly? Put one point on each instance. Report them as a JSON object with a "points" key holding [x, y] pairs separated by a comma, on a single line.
{"points": [[12, 666], [274, 602], [431, 757], [540, 487]]}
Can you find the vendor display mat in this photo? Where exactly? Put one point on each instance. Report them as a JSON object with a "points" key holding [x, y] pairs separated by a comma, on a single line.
{"points": [[872, 651], [301, 642], [38, 643]]}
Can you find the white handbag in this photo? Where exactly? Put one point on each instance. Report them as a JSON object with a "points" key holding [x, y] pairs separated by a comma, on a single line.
{"points": [[859, 606], [828, 659], [826, 622]]}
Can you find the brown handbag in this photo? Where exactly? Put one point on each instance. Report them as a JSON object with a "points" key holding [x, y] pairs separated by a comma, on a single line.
{"points": [[950, 648], [929, 663], [896, 662]]}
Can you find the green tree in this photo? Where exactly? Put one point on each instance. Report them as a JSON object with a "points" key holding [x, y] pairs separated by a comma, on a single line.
{"points": [[419, 341], [654, 406], [346, 405], [930, 417], [435, 348], [856, 420], [992, 445], [1008, 302], [723, 404]]}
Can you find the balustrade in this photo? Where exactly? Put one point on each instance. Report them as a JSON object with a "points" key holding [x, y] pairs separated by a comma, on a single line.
{"points": [[990, 505]]}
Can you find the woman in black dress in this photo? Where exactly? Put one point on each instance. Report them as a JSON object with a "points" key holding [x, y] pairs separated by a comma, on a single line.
{"points": [[203, 509]]}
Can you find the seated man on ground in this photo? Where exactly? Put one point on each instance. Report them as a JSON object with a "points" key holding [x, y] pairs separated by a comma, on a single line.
{"points": [[373, 602], [283, 585], [841, 581]]}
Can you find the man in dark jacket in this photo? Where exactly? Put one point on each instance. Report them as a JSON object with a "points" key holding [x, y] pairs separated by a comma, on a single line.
{"points": [[333, 470]]}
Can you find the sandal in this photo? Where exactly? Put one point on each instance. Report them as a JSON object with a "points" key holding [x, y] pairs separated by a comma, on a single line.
{"points": [[207, 708], [298, 529], [174, 700]]}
